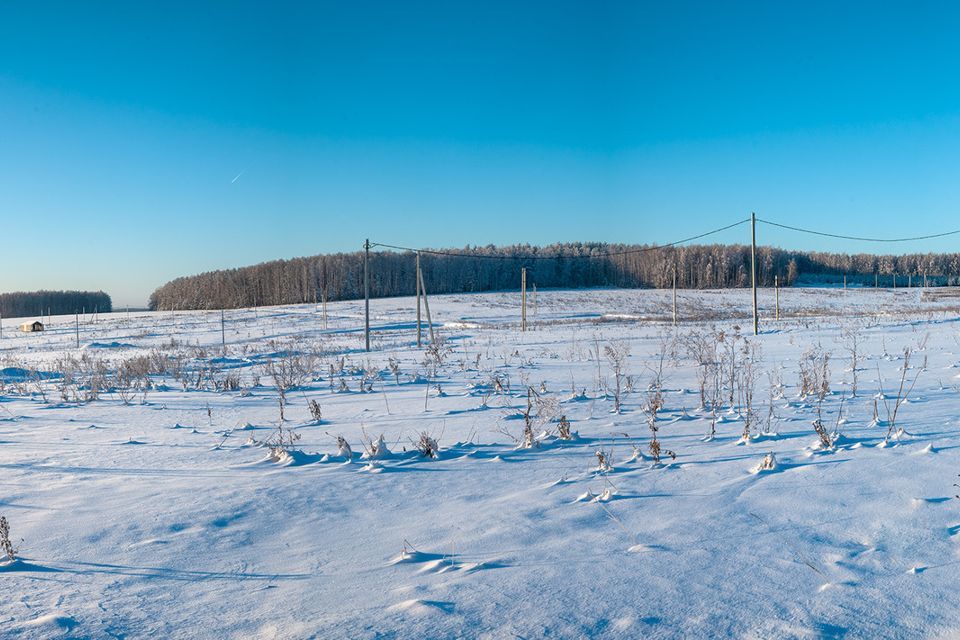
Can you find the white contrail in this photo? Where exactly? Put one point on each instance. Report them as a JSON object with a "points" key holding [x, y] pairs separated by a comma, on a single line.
{"points": [[238, 175]]}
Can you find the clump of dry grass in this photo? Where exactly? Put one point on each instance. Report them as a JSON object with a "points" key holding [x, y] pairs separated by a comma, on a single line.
{"points": [[769, 463], [281, 442], [651, 408], [5, 544], [826, 441], [617, 353], [343, 448], [315, 412], [427, 445], [603, 461], [374, 449], [903, 392]]}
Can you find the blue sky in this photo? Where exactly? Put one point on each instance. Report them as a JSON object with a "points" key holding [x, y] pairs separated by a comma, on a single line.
{"points": [[124, 126]]}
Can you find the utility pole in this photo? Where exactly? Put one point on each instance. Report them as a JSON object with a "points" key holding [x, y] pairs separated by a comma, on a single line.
{"points": [[523, 299], [674, 295], [366, 293], [419, 327], [323, 295], [223, 333], [77, 325], [776, 288], [753, 271], [426, 307]]}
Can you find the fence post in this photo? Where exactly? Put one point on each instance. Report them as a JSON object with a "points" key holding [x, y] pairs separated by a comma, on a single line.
{"points": [[753, 271], [366, 293]]}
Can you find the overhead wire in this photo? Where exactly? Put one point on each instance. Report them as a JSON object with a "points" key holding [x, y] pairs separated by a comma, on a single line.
{"points": [[606, 254], [859, 238]]}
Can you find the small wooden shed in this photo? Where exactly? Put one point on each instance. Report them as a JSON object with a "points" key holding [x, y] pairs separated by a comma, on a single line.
{"points": [[30, 327]]}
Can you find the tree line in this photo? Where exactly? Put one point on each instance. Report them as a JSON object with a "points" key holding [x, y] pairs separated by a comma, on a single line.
{"points": [[339, 276], [22, 304]]}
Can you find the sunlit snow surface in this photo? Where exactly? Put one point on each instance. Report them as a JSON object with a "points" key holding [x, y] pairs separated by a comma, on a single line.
{"points": [[168, 520]]}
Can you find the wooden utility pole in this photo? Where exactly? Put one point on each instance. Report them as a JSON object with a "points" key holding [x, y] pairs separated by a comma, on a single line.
{"points": [[909, 280], [924, 279], [674, 296], [366, 293], [426, 307], [223, 333], [419, 328], [844, 282], [753, 271], [876, 281], [776, 288], [323, 301], [523, 299], [77, 325], [894, 279]]}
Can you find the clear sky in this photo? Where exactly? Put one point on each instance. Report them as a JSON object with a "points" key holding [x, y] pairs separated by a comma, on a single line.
{"points": [[140, 141]]}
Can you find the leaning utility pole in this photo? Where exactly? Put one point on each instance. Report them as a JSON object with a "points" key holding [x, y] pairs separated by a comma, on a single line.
{"points": [[753, 271], [426, 307], [366, 293], [419, 328]]}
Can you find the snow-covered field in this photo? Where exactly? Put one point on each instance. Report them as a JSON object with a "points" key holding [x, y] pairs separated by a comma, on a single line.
{"points": [[165, 515]]}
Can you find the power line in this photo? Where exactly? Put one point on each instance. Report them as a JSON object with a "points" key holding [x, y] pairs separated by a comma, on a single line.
{"points": [[606, 254], [845, 237]]}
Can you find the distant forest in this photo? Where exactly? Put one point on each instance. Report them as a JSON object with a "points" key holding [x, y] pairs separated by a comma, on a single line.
{"points": [[36, 303], [340, 276]]}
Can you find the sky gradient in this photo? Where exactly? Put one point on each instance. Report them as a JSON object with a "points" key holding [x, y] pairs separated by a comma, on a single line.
{"points": [[124, 128]]}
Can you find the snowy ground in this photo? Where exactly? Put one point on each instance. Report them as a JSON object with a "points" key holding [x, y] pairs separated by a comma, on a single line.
{"points": [[167, 517]]}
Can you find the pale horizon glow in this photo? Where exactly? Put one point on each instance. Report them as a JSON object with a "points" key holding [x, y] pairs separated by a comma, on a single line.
{"points": [[147, 141]]}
